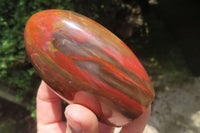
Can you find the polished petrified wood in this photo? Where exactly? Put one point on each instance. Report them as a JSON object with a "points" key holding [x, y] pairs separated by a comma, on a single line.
{"points": [[84, 63]]}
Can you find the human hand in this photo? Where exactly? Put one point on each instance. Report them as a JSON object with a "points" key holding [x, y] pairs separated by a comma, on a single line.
{"points": [[79, 118]]}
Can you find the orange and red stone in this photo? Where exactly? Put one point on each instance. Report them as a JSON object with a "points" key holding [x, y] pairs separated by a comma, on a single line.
{"points": [[85, 63]]}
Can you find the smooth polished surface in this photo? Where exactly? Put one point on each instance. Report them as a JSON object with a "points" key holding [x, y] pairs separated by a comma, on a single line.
{"points": [[85, 63]]}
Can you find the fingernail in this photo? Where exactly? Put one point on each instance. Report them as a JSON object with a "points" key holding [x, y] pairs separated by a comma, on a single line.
{"points": [[75, 129]]}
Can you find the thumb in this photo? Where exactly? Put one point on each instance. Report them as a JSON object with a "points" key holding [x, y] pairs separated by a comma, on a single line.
{"points": [[80, 119]]}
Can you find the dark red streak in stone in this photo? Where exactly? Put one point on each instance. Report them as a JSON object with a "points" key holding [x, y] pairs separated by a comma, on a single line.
{"points": [[127, 62]]}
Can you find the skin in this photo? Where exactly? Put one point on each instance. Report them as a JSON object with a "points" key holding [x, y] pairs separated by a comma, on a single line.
{"points": [[79, 118]]}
